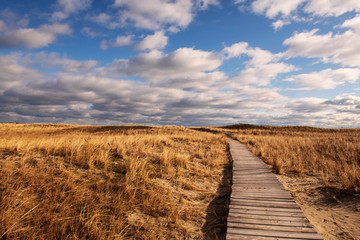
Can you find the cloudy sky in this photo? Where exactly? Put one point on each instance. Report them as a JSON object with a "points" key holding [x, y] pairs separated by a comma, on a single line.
{"points": [[181, 62]]}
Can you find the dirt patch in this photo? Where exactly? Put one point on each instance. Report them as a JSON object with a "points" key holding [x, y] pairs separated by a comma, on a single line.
{"points": [[334, 213]]}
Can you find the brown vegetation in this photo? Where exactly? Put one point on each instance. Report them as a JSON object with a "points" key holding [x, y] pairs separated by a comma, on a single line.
{"points": [[88, 182]]}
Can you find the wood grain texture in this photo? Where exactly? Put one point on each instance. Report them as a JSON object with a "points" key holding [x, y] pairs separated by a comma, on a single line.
{"points": [[260, 207]]}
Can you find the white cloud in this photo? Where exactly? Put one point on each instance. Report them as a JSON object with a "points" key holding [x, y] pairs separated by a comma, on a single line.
{"points": [[27, 96], [184, 68], [262, 67], [258, 55], [12, 72], [272, 8], [280, 23], [287, 11], [261, 75], [327, 79], [346, 100], [235, 50], [106, 20], [155, 14], [342, 111], [33, 38], [88, 32], [119, 41], [353, 23], [323, 8], [157, 65], [156, 41], [54, 60], [337, 48], [331, 7], [67, 7], [101, 18]]}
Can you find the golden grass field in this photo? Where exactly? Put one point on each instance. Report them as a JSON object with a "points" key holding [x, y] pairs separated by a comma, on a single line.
{"points": [[61, 181], [109, 182]]}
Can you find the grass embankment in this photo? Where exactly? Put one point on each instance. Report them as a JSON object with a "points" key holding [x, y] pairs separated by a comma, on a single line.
{"points": [[331, 154], [81, 182]]}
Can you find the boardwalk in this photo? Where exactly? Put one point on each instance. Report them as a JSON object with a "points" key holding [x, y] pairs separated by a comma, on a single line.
{"points": [[260, 208]]}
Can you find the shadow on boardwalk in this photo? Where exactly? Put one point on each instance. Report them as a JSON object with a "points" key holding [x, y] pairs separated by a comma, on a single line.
{"points": [[217, 211]]}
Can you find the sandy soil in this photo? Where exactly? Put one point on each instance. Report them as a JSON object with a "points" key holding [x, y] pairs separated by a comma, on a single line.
{"points": [[335, 214]]}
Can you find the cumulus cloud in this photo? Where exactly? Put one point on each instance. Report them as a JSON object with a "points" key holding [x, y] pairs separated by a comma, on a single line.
{"points": [[119, 41], [258, 55], [12, 72], [346, 100], [54, 60], [155, 66], [156, 41], [101, 18], [91, 98], [184, 68], [337, 48], [324, 8], [280, 23], [67, 7], [342, 111], [288, 11], [262, 67], [235, 50], [272, 8], [88, 32], [327, 79], [106, 20], [331, 7], [151, 15], [33, 38], [261, 75], [155, 14]]}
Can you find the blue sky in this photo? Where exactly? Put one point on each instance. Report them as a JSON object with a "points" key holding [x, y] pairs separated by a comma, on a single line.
{"points": [[181, 62]]}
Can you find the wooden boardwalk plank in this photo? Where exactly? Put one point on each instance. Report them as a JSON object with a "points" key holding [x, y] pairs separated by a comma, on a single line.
{"points": [[236, 215], [273, 227], [269, 222], [260, 207]]}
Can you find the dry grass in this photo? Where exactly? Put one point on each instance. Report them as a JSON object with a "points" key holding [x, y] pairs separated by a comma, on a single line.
{"points": [[332, 154], [87, 182]]}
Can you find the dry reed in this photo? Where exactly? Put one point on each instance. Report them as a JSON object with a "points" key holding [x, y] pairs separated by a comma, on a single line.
{"points": [[87, 182]]}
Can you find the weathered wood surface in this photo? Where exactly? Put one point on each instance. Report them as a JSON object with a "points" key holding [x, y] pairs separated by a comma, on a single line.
{"points": [[260, 208]]}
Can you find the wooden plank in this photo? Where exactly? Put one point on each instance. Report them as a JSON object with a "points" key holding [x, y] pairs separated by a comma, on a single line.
{"points": [[272, 227], [267, 209], [270, 222], [286, 202], [251, 237], [269, 205], [259, 194], [260, 197], [233, 216], [260, 208], [272, 233], [268, 213]]}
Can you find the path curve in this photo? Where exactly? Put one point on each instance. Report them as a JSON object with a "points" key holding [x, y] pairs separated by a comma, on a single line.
{"points": [[260, 207]]}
